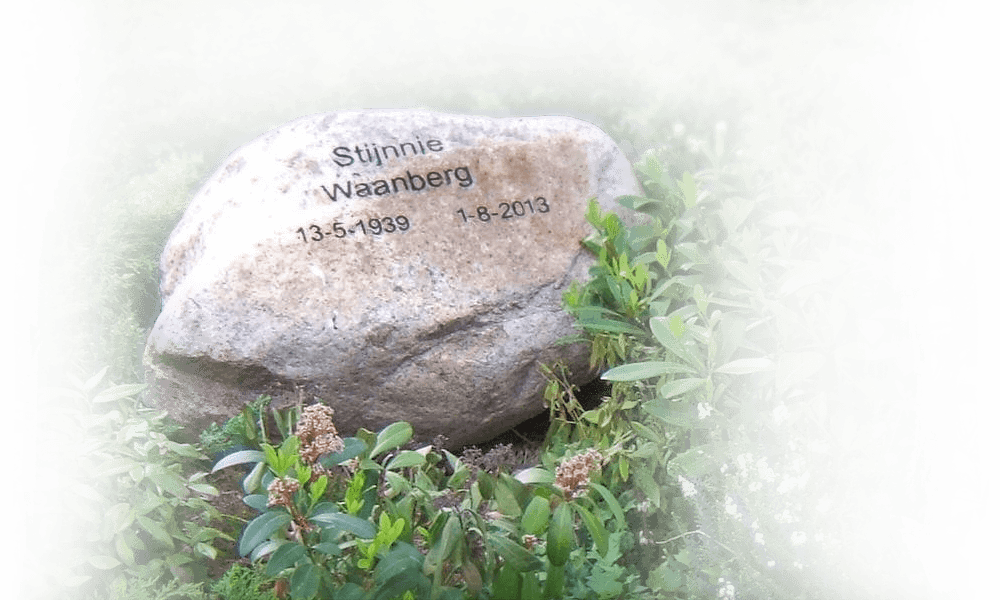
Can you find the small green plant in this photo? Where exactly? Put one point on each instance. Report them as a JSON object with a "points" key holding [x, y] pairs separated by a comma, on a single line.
{"points": [[242, 583], [146, 511]]}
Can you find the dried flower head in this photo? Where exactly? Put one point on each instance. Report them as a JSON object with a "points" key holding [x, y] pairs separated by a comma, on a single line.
{"points": [[530, 541], [280, 492], [317, 434], [573, 474]]}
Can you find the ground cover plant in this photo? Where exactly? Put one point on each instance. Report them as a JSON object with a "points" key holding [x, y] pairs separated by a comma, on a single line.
{"points": [[759, 436]]}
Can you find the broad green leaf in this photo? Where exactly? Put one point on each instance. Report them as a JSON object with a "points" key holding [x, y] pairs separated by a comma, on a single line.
{"points": [[304, 582], [393, 436], [689, 189], [261, 529], [679, 387], [536, 516], [119, 516], [514, 554], [238, 458], [535, 475], [669, 331], [696, 462], [729, 336], [115, 466], [76, 382], [93, 381], [673, 413], [285, 556], [795, 367], [644, 370], [613, 504], [156, 530], [597, 531], [407, 458], [103, 562], [328, 548], [253, 479], [353, 447], [506, 500], [744, 273], [118, 392], [256, 501], [356, 525], [745, 366]]}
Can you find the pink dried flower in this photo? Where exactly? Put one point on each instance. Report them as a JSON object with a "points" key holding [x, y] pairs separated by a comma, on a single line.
{"points": [[280, 492], [317, 434], [573, 474]]}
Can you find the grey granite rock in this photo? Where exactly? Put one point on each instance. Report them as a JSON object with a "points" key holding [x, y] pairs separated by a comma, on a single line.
{"points": [[397, 265]]}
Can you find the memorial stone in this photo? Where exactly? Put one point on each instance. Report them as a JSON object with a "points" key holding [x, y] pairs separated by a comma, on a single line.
{"points": [[395, 265]]}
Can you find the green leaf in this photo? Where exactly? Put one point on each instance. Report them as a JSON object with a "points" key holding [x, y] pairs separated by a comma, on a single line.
{"points": [[93, 381], [156, 530], [506, 499], [535, 475], [673, 413], [256, 501], [114, 466], [358, 526], [353, 448], [644, 370], [261, 529], [304, 582], [514, 554], [118, 392], [119, 516], [391, 437], [597, 531], [285, 556], [76, 382], [745, 366], [102, 562], [743, 273], [696, 462], [729, 337], [407, 458], [669, 331], [679, 387], [613, 504], [536, 516], [239, 458], [689, 189], [795, 367]]}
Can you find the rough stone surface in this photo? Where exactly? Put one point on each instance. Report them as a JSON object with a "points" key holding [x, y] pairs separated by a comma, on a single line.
{"points": [[279, 279]]}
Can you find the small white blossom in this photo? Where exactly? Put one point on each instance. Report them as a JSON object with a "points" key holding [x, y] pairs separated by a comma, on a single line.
{"points": [[764, 471], [770, 563], [704, 410], [819, 447], [780, 414], [726, 589], [759, 538], [678, 129], [731, 506], [798, 538], [687, 488]]}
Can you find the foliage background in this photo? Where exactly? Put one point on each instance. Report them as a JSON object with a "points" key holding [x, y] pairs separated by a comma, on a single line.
{"points": [[949, 267]]}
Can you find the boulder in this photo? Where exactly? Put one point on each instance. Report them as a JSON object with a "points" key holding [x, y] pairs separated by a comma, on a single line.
{"points": [[396, 265]]}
